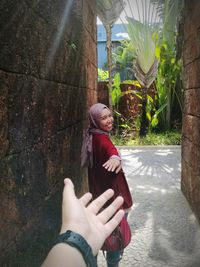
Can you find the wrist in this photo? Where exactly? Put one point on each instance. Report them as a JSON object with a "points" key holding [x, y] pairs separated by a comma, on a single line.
{"points": [[62, 253], [79, 242], [83, 231], [115, 157]]}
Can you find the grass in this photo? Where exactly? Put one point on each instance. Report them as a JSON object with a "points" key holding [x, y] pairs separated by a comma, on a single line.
{"points": [[166, 138]]}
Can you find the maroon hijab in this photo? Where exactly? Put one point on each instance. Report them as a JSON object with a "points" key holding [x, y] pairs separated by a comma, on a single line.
{"points": [[95, 112]]}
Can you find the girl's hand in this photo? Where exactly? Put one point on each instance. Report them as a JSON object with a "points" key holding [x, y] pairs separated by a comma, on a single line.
{"points": [[113, 165]]}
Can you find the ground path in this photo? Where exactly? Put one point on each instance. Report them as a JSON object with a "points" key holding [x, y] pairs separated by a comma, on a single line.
{"points": [[165, 230]]}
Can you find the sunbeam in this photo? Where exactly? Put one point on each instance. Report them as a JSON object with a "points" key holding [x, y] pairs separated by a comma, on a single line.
{"points": [[59, 34]]}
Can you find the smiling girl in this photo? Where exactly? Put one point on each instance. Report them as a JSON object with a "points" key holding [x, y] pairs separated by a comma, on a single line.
{"points": [[104, 163]]}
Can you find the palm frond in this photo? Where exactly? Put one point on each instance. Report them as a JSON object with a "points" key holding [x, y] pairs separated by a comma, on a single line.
{"points": [[146, 79], [109, 10], [142, 38], [169, 12]]}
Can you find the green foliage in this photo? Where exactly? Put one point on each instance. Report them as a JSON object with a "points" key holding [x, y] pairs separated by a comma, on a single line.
{"points": [[132, 82], [144, 38], [165, 138], [102, 75], [169, 12], [168, 72], [125, 126], [122, 59], [151, 113], [116, 90], [169, 68]]}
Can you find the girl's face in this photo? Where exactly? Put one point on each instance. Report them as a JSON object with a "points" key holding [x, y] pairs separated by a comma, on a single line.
{"points": [[106, 120]]}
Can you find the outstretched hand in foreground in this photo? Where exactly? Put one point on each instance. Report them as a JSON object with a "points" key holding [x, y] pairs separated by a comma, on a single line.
{"points": [[83, 216], [86, 218]]}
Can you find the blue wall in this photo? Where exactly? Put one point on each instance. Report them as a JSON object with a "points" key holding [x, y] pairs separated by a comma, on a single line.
{"points": [[119, 33]]}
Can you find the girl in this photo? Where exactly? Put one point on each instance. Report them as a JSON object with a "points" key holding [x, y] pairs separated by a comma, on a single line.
{"points": [[104, 163]]}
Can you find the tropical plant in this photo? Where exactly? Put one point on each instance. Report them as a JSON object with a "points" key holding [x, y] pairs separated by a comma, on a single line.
{"points": [[150, 42], [126, 125], [143, 40], [166, 138], [169, 11], [149, 38], [168, 72], [144, 36], [169, 67], [109, 11], [116, 90], [102, 75], [122, 58]]}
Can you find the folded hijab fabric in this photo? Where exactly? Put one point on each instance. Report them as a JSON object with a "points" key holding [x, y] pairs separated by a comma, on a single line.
{"points": [[95, 112]]}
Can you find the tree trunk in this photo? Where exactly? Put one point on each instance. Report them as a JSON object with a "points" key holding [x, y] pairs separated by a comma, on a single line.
{"points": [[109, 60], [144, 121], [168, 113]]}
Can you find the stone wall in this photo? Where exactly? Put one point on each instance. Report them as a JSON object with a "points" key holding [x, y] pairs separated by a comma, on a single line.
{"points": [[191, 115], [47, 80]]}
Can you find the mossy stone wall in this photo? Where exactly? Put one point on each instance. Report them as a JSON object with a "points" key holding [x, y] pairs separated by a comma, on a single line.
{"points": [[190, 181], [47, 80]]}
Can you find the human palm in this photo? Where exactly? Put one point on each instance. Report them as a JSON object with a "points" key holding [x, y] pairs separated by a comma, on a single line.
{"points": [[84, 216]]}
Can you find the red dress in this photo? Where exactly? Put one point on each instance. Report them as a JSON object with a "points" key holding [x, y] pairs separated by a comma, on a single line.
{"points": [[99, 178]]}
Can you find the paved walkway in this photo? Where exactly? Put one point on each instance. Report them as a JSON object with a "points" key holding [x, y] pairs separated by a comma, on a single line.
{"points": [[165, 232]]}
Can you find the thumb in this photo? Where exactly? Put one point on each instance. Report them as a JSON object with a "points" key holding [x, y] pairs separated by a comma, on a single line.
{"points": [[68, 191]]}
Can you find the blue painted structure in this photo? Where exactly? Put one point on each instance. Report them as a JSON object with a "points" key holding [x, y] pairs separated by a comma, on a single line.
{"points": [[119, 33]]}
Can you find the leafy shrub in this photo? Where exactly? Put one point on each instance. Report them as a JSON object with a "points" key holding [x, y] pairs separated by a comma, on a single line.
{"points": [[166, 138]]}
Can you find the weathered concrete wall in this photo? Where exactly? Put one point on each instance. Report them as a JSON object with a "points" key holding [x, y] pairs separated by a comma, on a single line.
{"points": [[47, 80], [191, 114]]}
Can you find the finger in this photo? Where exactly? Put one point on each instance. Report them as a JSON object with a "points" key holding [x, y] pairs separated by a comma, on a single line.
{"points": [[98, 203], [110, 166], [118, 169], [107, 167], [107, 213], [68, 191], [113, 223], [85, 199], [68, 198], [114, 167], [106, 164]]}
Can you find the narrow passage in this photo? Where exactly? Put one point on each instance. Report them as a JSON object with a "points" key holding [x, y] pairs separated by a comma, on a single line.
{"points": [[165, 230]]}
